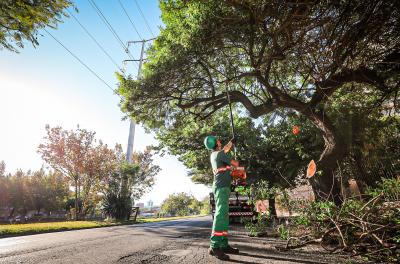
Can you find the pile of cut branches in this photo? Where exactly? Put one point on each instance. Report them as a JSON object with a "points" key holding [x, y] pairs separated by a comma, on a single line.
{"points": [[367, 227]]}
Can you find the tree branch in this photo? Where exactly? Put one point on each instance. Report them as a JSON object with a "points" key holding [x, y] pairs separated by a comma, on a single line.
{"points": [[327, 87]]}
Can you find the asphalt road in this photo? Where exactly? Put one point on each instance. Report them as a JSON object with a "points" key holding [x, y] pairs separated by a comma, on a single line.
{"points": [[181, 241]]}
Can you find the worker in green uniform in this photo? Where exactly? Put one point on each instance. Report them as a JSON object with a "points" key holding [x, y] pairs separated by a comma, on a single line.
{"points": [[221, 162]]}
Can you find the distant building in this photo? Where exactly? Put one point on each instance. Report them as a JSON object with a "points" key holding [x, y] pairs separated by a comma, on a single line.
{"points": [[140, 205], [150, 204]]}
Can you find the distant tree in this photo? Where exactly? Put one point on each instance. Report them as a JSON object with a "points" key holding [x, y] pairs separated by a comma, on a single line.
{"points": [[146, 174], [67, 152], [4, 186], [21, 19], [38, 190], [2, 168], [117, 199], [195, 206], [127, 182], [205, 206], [20, 196], [178, 204], [99, 163], [48, 190]]}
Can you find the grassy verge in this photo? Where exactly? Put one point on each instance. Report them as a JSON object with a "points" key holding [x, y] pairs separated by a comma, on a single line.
{"points": [[10, 230], [153, 220], [35, 228]]}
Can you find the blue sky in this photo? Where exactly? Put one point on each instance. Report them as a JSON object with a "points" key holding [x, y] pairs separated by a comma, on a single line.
{"points": [[47, 85]]}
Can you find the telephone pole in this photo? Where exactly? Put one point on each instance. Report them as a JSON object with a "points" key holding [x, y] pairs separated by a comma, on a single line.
{"points": [[132, 123]]}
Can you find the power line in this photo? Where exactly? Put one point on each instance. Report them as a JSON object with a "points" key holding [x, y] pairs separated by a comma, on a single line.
{"points": [[95, 41], [80, 61], [133, 25], [104, 19], [144, 18]]}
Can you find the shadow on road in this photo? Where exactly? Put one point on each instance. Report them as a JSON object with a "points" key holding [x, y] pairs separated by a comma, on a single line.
{"points": [[196, 233]]}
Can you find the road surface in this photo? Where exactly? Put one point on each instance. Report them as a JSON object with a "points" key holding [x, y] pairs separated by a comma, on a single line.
{"points": [[181, 241]]}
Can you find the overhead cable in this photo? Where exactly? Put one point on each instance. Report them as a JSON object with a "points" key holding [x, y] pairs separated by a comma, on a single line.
{"points": [[80, 61], [95, 41], [126, 13], [144, 18], [104, 19]]}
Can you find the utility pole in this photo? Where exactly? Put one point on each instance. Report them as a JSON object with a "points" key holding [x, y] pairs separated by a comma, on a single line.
{"points": [[132, 124]]}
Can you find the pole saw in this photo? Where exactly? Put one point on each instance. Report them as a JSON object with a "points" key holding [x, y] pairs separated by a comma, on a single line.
{"points": [[238, 173]]}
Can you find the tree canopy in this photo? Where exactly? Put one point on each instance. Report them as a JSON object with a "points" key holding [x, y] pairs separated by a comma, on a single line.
{"points": [[180, 204], [21, 19], [268, 150], [39, 190], [269, 55], [70, 153]]}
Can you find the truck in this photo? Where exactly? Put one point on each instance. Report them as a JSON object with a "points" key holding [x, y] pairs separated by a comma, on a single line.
{"points": [[240, 209]]}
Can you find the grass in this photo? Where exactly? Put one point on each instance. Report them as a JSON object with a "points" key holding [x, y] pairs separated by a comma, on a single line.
{"points": [[35, 228], [161, 219], [10, 230]]}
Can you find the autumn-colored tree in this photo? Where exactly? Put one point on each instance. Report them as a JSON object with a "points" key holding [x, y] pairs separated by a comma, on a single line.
{"points": [[99, 164], [67, 151], [94, 168]]}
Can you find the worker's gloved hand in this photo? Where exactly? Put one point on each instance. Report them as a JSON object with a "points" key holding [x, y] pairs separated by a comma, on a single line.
{"points": [[233, 140]]}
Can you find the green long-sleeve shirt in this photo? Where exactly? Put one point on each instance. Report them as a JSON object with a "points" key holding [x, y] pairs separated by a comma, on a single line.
{"points": [[221, 159]]}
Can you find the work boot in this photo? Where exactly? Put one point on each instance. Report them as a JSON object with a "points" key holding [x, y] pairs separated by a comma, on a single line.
{"points": [[230, 250], [218, 253]]}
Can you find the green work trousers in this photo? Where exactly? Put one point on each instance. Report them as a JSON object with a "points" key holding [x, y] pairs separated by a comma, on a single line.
{"points": [[219, 235]]}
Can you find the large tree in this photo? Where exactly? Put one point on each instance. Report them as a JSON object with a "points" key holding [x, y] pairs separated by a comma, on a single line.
{"points": [[268, 150], [21, 19], [68, 152], [269, 55]]}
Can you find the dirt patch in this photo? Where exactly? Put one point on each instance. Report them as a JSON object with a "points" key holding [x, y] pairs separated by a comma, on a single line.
{"points": [[144, 258]]}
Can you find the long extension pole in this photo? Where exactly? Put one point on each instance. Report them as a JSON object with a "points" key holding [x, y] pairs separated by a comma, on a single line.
{"points": [[231, 115]]}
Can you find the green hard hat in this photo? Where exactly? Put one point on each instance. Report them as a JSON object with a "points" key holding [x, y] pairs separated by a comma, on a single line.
{"points": [[210, 142]]}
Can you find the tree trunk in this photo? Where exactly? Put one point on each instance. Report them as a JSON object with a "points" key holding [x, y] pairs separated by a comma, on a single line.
{"points": [[325, 185], [79, 197], [271, 207], [76, 200], [11, 213]]}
